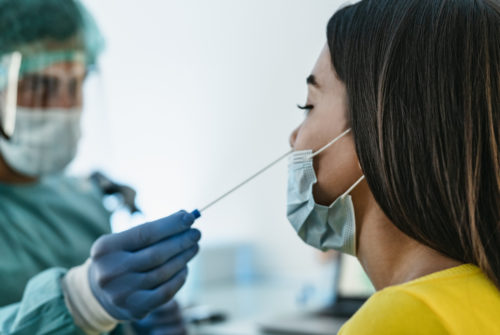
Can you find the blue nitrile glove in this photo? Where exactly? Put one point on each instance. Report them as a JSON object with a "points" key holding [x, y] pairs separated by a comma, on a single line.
{"points": [[166, 320], [134, 272]]}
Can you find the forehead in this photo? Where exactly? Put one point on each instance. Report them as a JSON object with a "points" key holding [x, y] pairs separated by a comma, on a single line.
{"points": [[64, 69]]}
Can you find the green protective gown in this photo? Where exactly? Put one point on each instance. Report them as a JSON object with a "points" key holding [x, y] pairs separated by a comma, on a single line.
{"points": [[45, 228]]}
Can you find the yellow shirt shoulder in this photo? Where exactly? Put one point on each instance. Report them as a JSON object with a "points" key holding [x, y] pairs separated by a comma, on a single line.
{"points": [[460, 300]]}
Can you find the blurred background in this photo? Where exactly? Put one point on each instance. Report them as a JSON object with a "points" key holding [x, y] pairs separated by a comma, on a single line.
{"points": [[191, 98]]}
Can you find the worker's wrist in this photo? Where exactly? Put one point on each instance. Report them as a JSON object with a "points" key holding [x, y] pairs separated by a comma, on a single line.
{"points": [[86, 310]]}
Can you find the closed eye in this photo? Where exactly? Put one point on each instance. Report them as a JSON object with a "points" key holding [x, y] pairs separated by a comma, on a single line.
{"points": [[306, 107]]}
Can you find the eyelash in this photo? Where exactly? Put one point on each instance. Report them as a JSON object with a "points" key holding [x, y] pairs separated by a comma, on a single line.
{"points": [[306, 107]]}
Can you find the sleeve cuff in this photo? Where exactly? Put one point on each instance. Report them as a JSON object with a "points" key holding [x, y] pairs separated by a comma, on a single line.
{"points": [[87, 312]]}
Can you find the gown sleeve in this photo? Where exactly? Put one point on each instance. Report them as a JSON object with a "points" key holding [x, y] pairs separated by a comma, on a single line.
{"points": [[42, 309]]}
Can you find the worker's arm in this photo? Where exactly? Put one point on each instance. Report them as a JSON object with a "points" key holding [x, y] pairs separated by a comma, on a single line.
{"points": [[42, 309], [132, 274], [128, 276]]}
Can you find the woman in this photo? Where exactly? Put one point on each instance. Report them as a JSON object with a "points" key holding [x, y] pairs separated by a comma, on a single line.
{"points": [[410, 92]]}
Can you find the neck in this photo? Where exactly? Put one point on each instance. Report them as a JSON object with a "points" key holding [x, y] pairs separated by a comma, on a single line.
{"points": [[9, 176], [389, 256]]}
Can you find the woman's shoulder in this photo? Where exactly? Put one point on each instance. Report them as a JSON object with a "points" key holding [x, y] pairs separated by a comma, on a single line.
{"points": [[459, 300], [395, 311]]}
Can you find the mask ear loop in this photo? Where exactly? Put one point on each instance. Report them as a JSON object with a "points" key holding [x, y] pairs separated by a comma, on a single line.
{"points": [[326, 147], [353, 186], [329, 144]]}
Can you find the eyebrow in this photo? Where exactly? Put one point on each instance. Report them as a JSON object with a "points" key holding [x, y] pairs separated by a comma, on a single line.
{"points": [[311, 80]]}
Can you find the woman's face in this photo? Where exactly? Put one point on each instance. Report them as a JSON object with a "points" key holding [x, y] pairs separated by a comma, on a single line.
{"points": [[337, 167]]}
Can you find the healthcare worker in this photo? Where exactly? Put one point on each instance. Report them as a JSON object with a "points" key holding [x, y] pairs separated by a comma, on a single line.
{"points": [[55, 277], [397, 161]]}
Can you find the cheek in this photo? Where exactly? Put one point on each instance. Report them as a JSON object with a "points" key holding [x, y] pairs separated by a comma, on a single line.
{"points": [[336, 170]]}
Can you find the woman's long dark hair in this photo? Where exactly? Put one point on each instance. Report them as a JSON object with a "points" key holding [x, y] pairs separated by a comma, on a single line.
{"points": [[423, 85]]}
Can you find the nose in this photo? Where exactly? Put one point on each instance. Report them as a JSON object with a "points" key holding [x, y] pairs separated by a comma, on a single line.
{"points": [[67, 96], [293, 137], [64, 100]]}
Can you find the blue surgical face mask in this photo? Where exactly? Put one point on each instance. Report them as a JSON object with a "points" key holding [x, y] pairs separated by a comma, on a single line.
{"points": [[323, 227]]}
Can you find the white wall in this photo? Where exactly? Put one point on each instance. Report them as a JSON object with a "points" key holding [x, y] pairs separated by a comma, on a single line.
{"points": [[196, 95]]}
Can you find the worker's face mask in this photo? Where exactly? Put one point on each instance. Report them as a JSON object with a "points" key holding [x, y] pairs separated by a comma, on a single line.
{"points": [[44, 140], [323, 227]]}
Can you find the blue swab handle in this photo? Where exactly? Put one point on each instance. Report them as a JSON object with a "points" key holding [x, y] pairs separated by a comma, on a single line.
{"points": [[196, 213]]}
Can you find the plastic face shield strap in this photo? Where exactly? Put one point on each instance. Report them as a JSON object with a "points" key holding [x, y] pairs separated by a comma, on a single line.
{"points": [[9, 75]]}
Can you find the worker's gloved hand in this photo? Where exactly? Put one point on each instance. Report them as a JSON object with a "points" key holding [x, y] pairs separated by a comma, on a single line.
{"points": [[166, 320], [134, 272]]}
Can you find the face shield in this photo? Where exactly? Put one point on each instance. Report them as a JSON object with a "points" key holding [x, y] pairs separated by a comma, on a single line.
{"points": [[46, 48], [40, 108], [51, 81]]}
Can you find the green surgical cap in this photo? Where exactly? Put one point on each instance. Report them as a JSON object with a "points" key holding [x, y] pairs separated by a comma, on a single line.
{"points": [[48, 31]]}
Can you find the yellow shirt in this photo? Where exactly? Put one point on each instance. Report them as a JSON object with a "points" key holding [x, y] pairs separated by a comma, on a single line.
{"points": [[460, 300]]}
